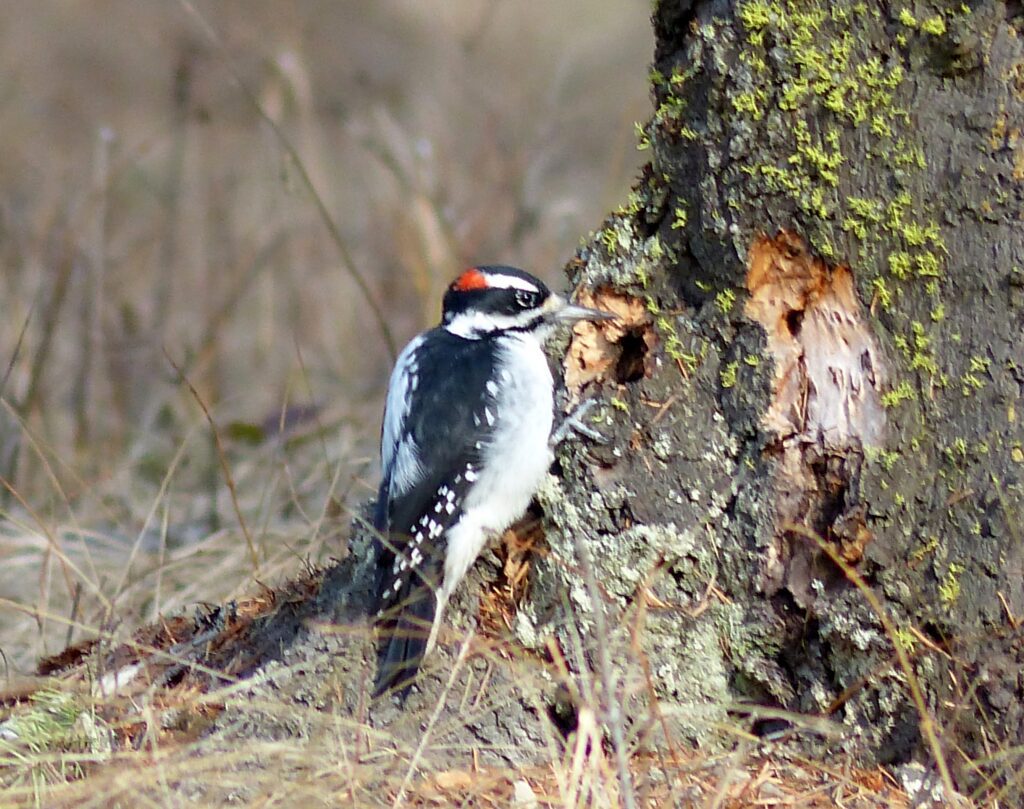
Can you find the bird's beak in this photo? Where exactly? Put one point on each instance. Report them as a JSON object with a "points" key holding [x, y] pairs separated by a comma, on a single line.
{"points": [[563, 311]]}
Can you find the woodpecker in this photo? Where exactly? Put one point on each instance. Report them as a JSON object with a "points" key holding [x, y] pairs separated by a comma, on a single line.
{"points": [[465, 444]]}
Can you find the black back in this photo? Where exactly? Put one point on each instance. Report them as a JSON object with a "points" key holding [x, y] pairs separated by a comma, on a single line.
{"points": [[451, 390]]}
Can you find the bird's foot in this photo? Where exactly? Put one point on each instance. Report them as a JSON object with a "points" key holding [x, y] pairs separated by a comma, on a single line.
{"points": [[573, 423]]}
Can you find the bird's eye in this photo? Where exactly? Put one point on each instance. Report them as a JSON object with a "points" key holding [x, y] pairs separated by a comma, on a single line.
{"points": [[524, 300]]}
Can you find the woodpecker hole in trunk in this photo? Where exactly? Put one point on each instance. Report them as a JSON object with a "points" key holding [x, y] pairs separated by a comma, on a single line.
{"points": [[620, 350], [825, 405], [633, 351]]}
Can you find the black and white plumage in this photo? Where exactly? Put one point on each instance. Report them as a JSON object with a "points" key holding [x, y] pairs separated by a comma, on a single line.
{"points": [[464, 447]]}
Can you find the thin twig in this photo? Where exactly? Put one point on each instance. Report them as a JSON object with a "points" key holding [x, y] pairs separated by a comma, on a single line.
{"points": [[73, 617], [48, 328], [728, 774], [53, 546], [613, 706], [108, 638], [348, 262], [161, 561], [85, 392], [17, 349], [463, 653], [10, 444], [223, 458]]}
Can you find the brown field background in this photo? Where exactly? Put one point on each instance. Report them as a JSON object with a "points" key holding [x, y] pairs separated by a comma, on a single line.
{"points": [[150, 213]]}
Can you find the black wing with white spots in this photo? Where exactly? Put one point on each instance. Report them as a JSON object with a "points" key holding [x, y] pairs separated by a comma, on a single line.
{"points": [[440, 412]]}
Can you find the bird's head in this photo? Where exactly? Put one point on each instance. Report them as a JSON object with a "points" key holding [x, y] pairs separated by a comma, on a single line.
{"points": [[493, 299]]}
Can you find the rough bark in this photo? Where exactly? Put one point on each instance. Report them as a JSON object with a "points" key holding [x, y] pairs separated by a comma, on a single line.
{"points": [[828, 246]]}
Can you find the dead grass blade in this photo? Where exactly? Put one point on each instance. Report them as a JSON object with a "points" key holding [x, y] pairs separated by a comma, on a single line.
{"points": [[927, 723], [348, 262], [225, 467]]}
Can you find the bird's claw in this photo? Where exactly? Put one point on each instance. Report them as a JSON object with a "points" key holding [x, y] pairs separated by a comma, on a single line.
{"points": [[573, 422]]}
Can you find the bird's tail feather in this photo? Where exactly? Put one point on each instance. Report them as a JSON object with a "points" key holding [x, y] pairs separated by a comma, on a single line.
{"points": [[404, 628]]}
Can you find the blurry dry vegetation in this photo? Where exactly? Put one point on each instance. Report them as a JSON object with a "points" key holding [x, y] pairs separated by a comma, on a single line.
{"points": [[146, 207]]}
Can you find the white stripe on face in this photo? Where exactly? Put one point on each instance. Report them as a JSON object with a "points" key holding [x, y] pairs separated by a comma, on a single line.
{"points": [[498, 281]]}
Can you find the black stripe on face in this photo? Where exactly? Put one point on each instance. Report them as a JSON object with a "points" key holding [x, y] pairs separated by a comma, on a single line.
{"points": [[507, 302], [530, 325]]}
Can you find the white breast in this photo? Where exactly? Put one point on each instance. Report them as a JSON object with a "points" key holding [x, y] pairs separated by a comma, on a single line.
{"points": [[516, 458]]}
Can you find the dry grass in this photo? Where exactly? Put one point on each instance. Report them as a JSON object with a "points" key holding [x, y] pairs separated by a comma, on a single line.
{"points": [[167, 719]]}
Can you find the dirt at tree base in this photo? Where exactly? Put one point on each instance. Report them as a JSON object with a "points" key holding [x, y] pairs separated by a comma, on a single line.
{"points": [[301, 722]]}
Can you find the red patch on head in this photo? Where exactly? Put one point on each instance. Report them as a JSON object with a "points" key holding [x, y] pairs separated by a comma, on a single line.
{"points": [[470, 279]]}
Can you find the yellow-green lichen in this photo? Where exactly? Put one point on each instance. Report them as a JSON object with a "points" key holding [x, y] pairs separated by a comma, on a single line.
{"points": [[922, 357], [729, 373], [679, 218], [633, 204], [926, 548], [949, 587], [674, 348], [900, 265], [956, 452], [907, 18], [756, 16], [750, 103], [901, 393], [882, 292], [725, 300], [643, 139], [617, 235], [919, 351], [888, 459], [936, 26], [618, 404], [971, 381], [905, 639]]}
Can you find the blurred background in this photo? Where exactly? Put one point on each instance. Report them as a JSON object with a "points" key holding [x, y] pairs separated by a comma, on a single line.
{"points": [[237, 194]]}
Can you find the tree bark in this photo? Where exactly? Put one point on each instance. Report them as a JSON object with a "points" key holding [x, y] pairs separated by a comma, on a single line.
{"points": [[820, 376]]}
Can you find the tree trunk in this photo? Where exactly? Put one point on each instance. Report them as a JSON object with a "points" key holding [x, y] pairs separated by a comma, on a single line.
{"points": [[820, 380]]}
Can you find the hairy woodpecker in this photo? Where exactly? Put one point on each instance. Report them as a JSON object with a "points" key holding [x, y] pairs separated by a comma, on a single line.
{"points": [[464, 447]]}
